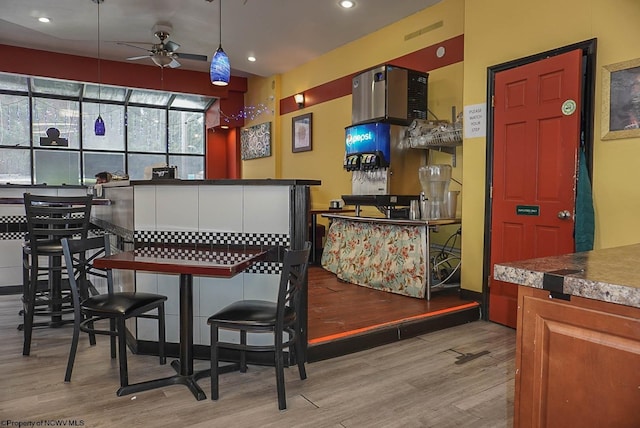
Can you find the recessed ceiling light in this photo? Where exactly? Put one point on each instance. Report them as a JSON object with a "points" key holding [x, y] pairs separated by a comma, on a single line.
{"points": [[44, 19], [347, 4], [251, 58]]}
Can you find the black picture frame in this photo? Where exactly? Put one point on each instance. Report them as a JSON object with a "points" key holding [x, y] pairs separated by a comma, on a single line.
{"points": [[301, 133]]}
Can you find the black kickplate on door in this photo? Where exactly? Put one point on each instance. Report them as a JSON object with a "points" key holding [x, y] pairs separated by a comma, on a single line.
{"points": [[464, 358]]}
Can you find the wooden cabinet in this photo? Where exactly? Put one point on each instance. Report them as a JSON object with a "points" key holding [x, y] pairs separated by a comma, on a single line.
{"points": [[577, 362]]}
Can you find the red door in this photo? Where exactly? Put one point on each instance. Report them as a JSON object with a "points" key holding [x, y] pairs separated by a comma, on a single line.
{"points": [[536, 140]]}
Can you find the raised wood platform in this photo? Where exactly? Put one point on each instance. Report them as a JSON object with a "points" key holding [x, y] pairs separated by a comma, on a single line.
{"points": [[345, 318]]}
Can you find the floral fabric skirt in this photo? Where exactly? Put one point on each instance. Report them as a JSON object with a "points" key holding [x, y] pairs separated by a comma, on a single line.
{"points": [[382, 256]]}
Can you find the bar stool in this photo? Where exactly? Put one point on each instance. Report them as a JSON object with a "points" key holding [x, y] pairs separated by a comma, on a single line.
{"points": [[49, 219]]}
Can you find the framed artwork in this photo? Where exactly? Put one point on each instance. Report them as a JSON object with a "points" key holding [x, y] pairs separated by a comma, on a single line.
{"points": [[255, 141], [301, 133], [621, 100]]}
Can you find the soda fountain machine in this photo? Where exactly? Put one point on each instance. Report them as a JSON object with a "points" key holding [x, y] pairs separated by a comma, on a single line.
{"points": [[383, 165]]}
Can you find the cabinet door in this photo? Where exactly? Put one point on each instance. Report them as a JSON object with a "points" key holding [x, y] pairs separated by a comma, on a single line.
{"points": [[577, 363]]}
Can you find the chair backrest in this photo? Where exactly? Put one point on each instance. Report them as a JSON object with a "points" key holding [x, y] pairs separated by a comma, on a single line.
{"points": [[79, 255], [292, 280], [51, 218]]}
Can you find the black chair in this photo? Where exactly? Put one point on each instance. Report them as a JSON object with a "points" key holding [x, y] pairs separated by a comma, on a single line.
{"points": [[49, 220], [117, 307], [259, 316]]}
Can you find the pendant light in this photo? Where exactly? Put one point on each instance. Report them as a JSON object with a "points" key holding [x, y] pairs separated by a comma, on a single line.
{"points": [[98, 126], [220, 71]]}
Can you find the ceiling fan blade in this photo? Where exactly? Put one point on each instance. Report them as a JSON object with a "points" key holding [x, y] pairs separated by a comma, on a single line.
{"points": [[133, 58], [174, 64], [193, 57], [171, 46], [133, 46]]}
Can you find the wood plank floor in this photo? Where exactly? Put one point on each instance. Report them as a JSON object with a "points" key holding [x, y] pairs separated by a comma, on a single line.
{"points": [[412, 383], [337, 307]]}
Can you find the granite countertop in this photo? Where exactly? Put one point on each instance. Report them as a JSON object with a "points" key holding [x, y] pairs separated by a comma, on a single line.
{"points": [[607, 275]]}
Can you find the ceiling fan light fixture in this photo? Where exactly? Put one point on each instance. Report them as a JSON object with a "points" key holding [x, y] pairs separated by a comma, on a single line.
{"points": [[161, 59], [220, 71]]}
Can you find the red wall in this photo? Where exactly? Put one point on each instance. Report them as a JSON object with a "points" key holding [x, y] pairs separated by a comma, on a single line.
{"points": [[33, 62], [223, 160], [71, 67], [422, 60]]}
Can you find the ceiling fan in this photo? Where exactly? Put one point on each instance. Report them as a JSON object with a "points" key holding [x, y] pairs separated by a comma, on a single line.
{"points": [[164, 53]]}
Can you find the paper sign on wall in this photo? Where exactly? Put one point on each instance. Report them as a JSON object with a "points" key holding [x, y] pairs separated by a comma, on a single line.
{"points": [[475, 121]]}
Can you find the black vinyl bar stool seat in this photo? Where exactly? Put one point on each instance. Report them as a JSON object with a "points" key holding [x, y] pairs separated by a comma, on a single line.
{"points": [[45, 290], [117, 307], [280, 318]]}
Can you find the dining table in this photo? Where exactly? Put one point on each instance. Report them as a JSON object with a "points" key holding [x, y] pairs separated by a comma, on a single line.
{"points": [[186, 261]]}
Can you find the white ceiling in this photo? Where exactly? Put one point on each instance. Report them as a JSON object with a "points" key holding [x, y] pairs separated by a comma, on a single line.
{"points": [[282, 34]]}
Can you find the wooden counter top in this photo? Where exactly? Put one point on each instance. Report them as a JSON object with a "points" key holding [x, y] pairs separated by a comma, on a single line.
{"points": [[607, 275], [396, 221], [227, 182]]}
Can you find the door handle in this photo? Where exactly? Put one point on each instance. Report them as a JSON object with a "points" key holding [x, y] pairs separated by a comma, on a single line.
{"points": [[564, 215]]}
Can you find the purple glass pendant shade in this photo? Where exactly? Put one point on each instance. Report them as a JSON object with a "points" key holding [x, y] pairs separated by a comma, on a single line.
{"points": [[98, 126], [220, 71]]}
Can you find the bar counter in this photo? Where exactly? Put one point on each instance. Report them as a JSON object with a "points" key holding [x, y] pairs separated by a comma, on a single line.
{"points": [[578, 338], [269, 214], [607, 275]]}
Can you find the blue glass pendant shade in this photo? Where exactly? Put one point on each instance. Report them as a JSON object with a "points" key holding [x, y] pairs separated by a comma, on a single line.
{"points": [[98, 126], [220, 71]]}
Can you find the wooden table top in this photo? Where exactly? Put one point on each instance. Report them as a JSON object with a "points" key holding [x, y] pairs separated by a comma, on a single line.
{"points": [[192, 261]]}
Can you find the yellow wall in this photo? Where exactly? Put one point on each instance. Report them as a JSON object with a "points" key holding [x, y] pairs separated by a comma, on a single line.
{"points": [[262, 96], [495, 31], [498, 31], [324, 162]]}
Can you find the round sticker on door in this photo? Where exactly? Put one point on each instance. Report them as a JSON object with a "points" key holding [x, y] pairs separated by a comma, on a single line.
{"points": [[568, 107]]}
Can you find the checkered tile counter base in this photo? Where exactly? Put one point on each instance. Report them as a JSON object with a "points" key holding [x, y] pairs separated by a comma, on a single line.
{"points": [[15, 228], [212, 238], [125, 234], [145, 238]]}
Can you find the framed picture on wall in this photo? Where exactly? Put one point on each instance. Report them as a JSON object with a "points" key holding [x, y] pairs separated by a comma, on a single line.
{"points": [[301, 133], [255, 141], [621, 100]]}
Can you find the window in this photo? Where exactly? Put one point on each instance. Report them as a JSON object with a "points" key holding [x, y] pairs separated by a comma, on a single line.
{"points": [[147, 129], [57, 167], [95, 162], [113, 117], [138, 163], [63, 115], [15, 166], [14, 120], [185, 132], [47, 131], [189, 167]]}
